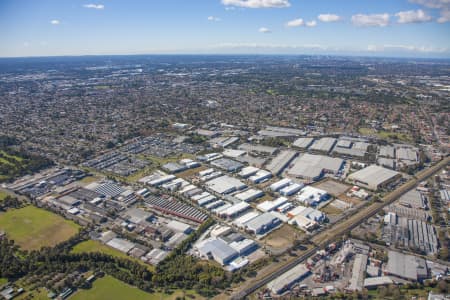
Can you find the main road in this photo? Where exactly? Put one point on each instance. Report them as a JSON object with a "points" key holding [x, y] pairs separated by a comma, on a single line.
{"points": [[335, 232]]}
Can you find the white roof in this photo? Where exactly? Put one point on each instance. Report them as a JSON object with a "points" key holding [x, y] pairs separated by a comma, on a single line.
{"points": [[373, 175], [280, 184], [225, 184], [245, 218], [271, 205], [249, 194], [234, 209]]}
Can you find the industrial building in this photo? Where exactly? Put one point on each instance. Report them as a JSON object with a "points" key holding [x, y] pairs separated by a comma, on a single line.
{"points": [[405, 266], [267, 205], [248, 171], [303, 143], [291, 189], [312, 167], [373, 177], [349, 147], [217, 250], [303, 222], [234, 210], [359, 268], [173, 167], [121, 245], [386, 151], [227, 164], [249, 195], [312, 196], [262, 223], [240, 222], [179, 227], [176, 208], [137, 216], [244, 247], [258, 149], [275, 187], [225, 185], [324, 144], [281, 161], [288, 279], [233, 153], [260, 176]]}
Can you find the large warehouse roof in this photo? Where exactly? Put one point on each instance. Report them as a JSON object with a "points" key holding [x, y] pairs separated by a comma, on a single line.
{"points": [[324, 144], [225, 184], [373, 176], [311, 166]]}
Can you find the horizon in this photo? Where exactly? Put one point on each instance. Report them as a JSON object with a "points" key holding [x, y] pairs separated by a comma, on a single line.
{"points": [[404, 28]]}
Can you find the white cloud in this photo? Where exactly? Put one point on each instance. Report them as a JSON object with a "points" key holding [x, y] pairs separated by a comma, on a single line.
{"points": [[442, 5], [55, 22], [257, 3], [264, 30], [380, 20], [328, 17], [312, 23], [445, 16], [94, 6], [412, 16], [432, 3], [295, 23], [214, 19]]}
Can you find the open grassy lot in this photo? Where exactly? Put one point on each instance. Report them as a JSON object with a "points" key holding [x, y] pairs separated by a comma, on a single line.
{"points": [[109, 288], [32, 228], [96, 246], [3, 195], [282, 237]]}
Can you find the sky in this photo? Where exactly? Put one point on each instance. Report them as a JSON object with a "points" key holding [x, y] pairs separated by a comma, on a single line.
{"points": [[403, 28]]}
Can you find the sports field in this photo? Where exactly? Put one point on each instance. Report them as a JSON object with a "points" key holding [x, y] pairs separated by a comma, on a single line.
{"points": [[33, 228], [109, 288], [96, 246]]}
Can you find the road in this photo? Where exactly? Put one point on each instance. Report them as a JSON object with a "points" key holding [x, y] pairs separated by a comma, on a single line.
{"points": [[334, 233]]}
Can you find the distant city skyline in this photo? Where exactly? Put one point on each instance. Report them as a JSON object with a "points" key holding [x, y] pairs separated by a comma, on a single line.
{"points": [[402, 28]]}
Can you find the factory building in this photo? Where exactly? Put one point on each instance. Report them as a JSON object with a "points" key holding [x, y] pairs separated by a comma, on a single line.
{"points": [[217, 250], [249, 195], [262, 223], [291, 189], [373, 177], [312, 196], [268, 206], [312, 167], [275, 187], [281, 161], [405, 266], [225, 185], [288, 279]]}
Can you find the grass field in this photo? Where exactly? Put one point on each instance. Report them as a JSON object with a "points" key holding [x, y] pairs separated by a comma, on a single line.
{"points": [[3, 281], [32, 228], [109, 288], [96, 246], [3, 195], [282, 237]]}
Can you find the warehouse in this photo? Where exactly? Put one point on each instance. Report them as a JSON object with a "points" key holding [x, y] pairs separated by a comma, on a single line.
{"points": [[244, 247], [373, 177], [303, 223], [312, 214], [176, 208], [109, 189], [217, 250], [225, 185], [406, 266], [262, 223], [413, 199], [312, 167], [303, 143], [258, 149], [248, 171], [387, 151], [359, 267], [179, 227], [137, 216], [324, 144], [173, 167], [260, 176], [233, 153], [240, 222], [161, 180], [275, 187], [406, 154], [291, 189], [281, 161], [288, 279], [227, 164], [249, 195], [312, 196], [121, 245], [267, 205], [235, 210], [348, 148]]}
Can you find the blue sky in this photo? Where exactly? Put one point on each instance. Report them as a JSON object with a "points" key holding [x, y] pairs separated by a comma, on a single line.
{"points": [[418, 28]]}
